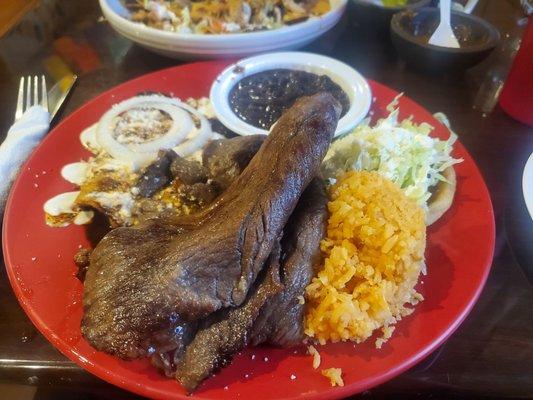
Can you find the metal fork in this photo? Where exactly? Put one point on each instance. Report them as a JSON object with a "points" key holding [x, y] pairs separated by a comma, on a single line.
{"points": [[30, 95]]}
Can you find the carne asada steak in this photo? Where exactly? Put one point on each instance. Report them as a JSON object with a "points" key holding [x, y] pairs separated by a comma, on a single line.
{"points": [[272, 312], [151, 277]]}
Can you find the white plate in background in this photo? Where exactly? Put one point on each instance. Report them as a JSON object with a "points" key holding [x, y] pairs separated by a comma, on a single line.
{"points": [[351, 81], [527, 185], [197, 46]]}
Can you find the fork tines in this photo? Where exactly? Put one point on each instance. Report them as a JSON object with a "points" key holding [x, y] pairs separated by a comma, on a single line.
{"points": [[32, 91]]}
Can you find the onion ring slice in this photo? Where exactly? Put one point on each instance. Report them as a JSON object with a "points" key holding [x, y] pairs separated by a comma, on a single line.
{"points": [[198, 137], [140, 155]]}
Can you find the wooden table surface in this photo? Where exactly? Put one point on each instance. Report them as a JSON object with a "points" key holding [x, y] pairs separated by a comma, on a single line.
{"points": [[491, 354], [13, 11]]}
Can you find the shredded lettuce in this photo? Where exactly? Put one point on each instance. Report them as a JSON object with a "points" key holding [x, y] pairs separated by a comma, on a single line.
{"points": [[401, 151]]}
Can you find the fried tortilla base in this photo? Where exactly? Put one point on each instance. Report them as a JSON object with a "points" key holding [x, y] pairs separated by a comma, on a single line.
{"points": [[441, 200]]}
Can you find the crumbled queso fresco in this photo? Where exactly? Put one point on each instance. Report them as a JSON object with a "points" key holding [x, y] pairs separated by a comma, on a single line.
{"points": [[140, 125]]}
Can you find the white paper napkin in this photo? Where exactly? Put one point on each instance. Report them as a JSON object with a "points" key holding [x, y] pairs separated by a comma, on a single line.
{"points": [[21, 139]]}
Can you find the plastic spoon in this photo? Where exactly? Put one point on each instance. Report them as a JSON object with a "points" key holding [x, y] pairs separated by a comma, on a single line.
{"points": [[467, 8], [443, 35]]}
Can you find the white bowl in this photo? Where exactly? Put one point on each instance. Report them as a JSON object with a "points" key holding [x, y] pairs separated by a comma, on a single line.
{"points": [[527, 185], [190, 45], [351, 81]]}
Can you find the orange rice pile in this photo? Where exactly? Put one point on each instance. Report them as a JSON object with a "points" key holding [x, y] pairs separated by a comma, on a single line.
{"points": [[374, 253]]}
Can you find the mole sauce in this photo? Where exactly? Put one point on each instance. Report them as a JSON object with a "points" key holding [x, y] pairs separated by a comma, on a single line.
{"points": [[261, 98]]}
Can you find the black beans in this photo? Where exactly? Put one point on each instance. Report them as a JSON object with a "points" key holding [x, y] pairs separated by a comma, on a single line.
{"points": [[261, 98]]}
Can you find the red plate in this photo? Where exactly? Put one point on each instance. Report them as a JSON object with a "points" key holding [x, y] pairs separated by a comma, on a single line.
{"points": [[40, 267]]}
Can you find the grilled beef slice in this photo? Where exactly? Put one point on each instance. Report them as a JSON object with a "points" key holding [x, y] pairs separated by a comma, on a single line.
{"points": [[156, 176], [281, 322], [81, 259], [222, 162], [226, 332], [194, 265], [225, 159], [188, 171], [272, 312]]}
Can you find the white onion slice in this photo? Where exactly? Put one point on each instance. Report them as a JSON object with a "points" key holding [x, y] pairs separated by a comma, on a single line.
{"points": [[143, 154], [198, 137]]}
